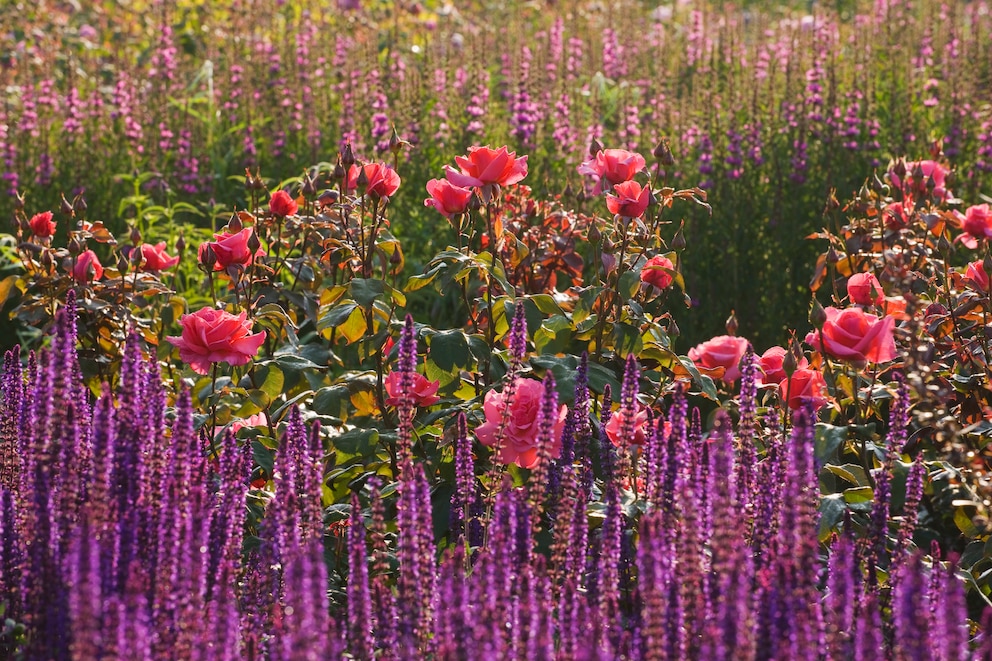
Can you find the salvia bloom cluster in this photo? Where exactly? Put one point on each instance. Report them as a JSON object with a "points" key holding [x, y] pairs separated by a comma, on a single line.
{"points": [[125, 533]]}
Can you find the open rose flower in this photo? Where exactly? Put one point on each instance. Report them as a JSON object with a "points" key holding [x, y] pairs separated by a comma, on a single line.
{"points": [[611, 167], [519, 444], [447, 198], [656, 272], [381, 180], [720, 357], [855, 336], [215, 336], [978, 277], [231, 249], [87, 267], [896, 215], [771, 364], [42, 225], [422, 391], [155, 258], [977, 225], [911, 188], [865, 289], [257, 420], [484, 167], [282, 204], [631, 201], [803, 387], [614, 428]]}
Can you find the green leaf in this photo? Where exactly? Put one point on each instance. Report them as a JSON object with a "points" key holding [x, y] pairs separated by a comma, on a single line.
{"points": [[829, 439], [6, 287], [336, 315], [859, 495], [360, 442], [629, 284], [449, 349], [264, 457], [332, 401], [546, 304], [365, 291], [272, 380], [851, 472], [832, 510]]}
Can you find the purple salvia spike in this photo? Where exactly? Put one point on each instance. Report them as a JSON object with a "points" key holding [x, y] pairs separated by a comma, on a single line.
{"points": [[628, 413], [899, 417], [561, 530], [878, 527], [464, 495], [305, 621], [382, 596], [11, 557], [840, 607], [416, 561], [310, 479], [222, 628], [868, 637], [453, 631], [583, 427], [608, 566], [134, 635], [85, 599], [518, 339], [806, 545], [406, 407], [11, 401], [911, 504], [745, 435], [360, 640], [910, 605], [552, 492], [949, 624], [547, 419], [984, 648]]}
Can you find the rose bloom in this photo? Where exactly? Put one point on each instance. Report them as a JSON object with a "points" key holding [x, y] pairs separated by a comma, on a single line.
{"points": [[976, 273], [423, 392], [855, 336], [447, 198], [860, 287], [282, 204], [640, 425], [977, 224], [42, 224], [896, 215], [87, 267], [612, 167], [519, 444], [155, 257], [929, 168], [231, 249], [257, 420], [771, 362], [383, 181], [805, 386], [654, 273], [215, 336], [631, 201], [484, 166], [723, 351]]}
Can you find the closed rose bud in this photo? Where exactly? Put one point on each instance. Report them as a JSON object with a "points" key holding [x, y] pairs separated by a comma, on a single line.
{"points": [[594, 234], [79, 204], [254, 244], [123, 263], [74, 246], [347, 156], [339, 172], [678, 242], [789, 361], [308, 189], [234, 224], [673, 329], [817, 315], [180, 245], [65, 207], [731, 324], [208, 257], [135, 235], [595, 146]]}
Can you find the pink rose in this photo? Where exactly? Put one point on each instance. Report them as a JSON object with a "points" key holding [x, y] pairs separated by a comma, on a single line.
{"points": [[42, 224], [214, 336], [282, 204], [87, 267], [911, 188], [447, 198], [977, 225], [484, 166], [804, 386], [631, 201], [519, 444], [771, 364], [383, 182], [422, 390], [231, 249], [896, 215], [155, 257], [855, 336], [976, 273], [720, 357], [640, 425], [257, 420], [612, 167], [865, 289], [656, 272]]}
